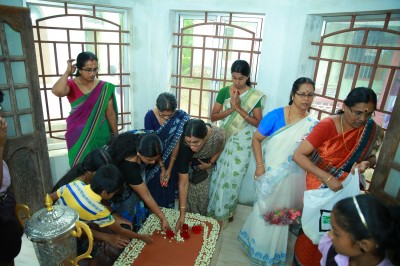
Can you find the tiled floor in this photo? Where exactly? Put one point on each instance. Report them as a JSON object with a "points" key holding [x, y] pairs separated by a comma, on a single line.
{"points": [[228, 247], [231, 253]]}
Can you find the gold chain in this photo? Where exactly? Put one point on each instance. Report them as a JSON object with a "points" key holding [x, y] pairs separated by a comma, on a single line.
{"points": [[344, 142]]}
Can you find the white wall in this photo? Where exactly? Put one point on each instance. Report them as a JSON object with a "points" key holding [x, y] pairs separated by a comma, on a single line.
{"points": [[284, 35], [288, 31]]}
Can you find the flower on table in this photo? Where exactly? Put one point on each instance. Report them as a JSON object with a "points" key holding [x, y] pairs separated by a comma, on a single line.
{"points": [[169, 233], [185, 227], [184, 235], [196, 229]]}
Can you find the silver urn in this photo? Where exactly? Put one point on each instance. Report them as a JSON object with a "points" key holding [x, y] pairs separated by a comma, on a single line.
{"points": [[53, 231]]}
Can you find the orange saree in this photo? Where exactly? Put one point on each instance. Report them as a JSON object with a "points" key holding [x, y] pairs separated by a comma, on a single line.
{"points": [[336, 156]]}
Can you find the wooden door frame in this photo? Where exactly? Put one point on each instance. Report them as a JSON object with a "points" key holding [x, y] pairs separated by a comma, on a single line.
{"points": [[385, 161], [23, 151]]}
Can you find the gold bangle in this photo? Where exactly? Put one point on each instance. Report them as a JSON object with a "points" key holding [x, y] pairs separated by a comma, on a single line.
{"points": [[260, 165], [246, 117], [329, 178], [182, 207], [173, 158]]}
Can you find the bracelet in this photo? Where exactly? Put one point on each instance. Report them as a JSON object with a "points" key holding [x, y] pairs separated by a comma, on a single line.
{"points": [[329, 178], [173, 158], [246, 117], [260, 165], [182, 207]]}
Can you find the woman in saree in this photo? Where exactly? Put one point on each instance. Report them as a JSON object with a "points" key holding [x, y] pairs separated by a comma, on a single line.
{"points": [[335, 147], [93, 116], [167, 122], [238, 107], [200, 146], [280, 181], [131, 152]]}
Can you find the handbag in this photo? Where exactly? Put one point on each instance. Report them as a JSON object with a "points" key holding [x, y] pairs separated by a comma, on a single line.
{"points": [[197, 175], [318, 204]]}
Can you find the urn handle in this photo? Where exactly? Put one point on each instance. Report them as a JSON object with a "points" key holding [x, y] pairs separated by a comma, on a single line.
{"points": [[79, 226]]}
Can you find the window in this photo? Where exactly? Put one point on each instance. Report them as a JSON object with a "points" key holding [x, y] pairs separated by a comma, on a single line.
{"points": [[207, 45], [358, 50], [61, 31]]}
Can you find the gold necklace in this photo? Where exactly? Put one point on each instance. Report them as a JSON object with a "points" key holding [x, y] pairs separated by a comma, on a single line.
{"points": [[341, 125]]}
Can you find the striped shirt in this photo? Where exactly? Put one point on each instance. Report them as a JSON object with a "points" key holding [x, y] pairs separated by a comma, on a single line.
{"points": [[80, 197]]}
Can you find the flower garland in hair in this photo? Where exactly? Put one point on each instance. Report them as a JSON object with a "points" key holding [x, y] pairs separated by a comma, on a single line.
{"points": [[283, 216], [196, 222]]}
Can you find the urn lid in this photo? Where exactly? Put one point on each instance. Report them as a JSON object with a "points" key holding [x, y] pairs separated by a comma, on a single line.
{"points": [[50, 223]]}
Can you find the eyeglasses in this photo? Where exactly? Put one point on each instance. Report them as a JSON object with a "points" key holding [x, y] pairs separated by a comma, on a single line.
{"points": [[193, 143], [89, 70], [303, 95], [359, 114]]}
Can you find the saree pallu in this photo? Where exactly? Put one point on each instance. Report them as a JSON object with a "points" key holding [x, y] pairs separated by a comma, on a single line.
{"points": [[87, 126], [226, 179], [333, 157], [282, 186], [169, 133]]}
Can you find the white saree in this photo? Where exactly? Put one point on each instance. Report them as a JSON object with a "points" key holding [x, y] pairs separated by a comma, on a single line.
{"points": [[282, 186]]}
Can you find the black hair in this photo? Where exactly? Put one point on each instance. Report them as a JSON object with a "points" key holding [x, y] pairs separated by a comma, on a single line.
{"points": [[166, 102], [1, 96], [92, 162], [296, 86], [382, 223], [82, 58], [242, 67], [129, 144], [108, 178], [359, 95], [195, 128]]}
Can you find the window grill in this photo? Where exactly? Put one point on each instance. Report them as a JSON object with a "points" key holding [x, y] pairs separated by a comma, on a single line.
{"points": [[206, 48], [365, 51], [62, 32]]}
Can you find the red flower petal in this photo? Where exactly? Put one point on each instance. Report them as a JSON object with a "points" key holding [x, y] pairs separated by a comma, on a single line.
{"points": [[185, 235], [196, 229], [169, 233], [185, 227]]}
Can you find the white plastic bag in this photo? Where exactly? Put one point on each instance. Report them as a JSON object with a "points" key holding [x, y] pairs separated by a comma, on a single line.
{"points": [[318, 204]]}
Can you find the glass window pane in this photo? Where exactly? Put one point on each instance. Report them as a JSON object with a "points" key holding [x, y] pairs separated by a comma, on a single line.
{"points": [[26, 124], [6, 105], [11, 132], [333, 79], [23, 100], [18, 72], [3, 77], [393, 183], [13, 40], [353, 37], [382, 39], [337, 26], [322, 103], [332, 52]]}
